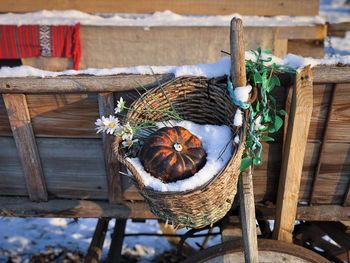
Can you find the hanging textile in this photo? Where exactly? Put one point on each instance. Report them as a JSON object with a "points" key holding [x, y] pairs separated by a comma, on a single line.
{"points": [[40, 40]]}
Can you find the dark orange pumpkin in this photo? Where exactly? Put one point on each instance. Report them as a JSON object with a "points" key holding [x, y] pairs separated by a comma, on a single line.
{"points": [[172, 153]]}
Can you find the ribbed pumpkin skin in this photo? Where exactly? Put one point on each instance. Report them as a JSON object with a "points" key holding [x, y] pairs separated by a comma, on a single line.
{"points": [[159, 157]]}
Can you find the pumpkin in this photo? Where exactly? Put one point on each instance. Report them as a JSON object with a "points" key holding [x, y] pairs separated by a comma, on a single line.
{"points": [[172, 153]]}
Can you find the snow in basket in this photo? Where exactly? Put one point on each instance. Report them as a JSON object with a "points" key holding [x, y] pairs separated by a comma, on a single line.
{"points": [[216, 141]]}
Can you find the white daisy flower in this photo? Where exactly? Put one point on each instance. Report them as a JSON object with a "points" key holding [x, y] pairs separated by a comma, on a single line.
{"points": [[112, 124], [120, 105], [129, 143], [100, 126]]}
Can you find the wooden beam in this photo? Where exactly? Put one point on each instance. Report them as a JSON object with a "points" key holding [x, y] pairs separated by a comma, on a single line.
{"points": [[80, 83], [293, 156], [339, 29], [245, 184], [23, 207], [336, 231], [95, 250], [314, 32], [218, 7], [331, 74], [114, 181], [18, 114], [115, 249]]}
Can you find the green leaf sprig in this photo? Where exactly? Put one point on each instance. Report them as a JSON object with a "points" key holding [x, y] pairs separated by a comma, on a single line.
{"points": [[264, 119]]}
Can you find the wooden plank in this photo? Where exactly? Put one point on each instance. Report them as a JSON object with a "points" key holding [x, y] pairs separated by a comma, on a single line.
{"points": [[73, 115], [294, 151], [218, 7], [65, 208], [80, 83], [69, 175], [331, 74], [94, 253], [307, 32], [306, 48], [322, 143], [336, 231], [17, 110], [114, 182], [115, 249], [245, 184], [339, 29]]}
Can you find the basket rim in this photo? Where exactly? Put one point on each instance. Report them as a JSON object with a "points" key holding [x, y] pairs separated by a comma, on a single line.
{"points": [[130, 167]]}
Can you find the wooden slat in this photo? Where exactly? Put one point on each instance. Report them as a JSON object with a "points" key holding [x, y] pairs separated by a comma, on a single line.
{"points": [[68, 175], [114, 182], [331, 74], [80, 83], [115, 249], [339, 29], [294, 150], [322, 145], [245, 185], [95, 250], [23, 207], [251, 7], [17, 110], [314, 32]]}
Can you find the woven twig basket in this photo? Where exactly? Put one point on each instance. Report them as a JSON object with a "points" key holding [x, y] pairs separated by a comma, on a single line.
{"points": [[204, 101]]}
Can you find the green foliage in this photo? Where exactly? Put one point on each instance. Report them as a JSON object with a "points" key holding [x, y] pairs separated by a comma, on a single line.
{"points": [[264, 119]]}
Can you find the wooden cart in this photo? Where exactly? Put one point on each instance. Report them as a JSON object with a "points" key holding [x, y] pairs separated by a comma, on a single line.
{"points": [[52, 163]]}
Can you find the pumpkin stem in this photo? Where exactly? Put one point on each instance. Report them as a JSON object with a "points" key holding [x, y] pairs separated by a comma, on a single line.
{"points": [[178, 147]]}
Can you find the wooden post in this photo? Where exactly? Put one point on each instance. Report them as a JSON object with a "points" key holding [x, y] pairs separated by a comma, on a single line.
{"points": [[245, 185], [114, 182], [95, 250], [293, 155], [18, 114], [115, 249]]}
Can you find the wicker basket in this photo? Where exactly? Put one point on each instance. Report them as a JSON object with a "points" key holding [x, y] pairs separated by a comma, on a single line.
{"points": [[202, 101]]}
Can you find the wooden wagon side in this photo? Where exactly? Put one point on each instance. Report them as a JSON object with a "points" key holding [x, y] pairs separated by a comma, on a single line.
{"points": [[57, 115]]}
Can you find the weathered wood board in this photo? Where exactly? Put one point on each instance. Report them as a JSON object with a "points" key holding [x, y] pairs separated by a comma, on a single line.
{"points": [[218, 7], [105, 47]]}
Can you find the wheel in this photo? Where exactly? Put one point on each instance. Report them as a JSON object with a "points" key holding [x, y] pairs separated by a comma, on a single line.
{"points": [[269, 251]]}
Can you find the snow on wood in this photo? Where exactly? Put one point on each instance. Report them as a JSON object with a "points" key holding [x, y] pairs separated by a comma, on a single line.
{"points": [[165, 18]]}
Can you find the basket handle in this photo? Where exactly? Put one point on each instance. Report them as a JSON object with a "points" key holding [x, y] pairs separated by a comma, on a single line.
{"points": [[127, 164]]}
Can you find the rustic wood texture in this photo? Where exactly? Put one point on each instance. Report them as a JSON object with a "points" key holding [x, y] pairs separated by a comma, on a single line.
{"points": [[17, 110], [331, 74], [219, 7], [293, 156], [177, 45], [94, 253], [322, 143], [245, 184], [65, 208], [338, 29], [113, 167], [80, 83], [24, 207]]}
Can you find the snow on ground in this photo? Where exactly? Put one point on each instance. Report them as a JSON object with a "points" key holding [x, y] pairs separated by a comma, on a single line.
{"points": [[24, 237], [28, 236]]}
